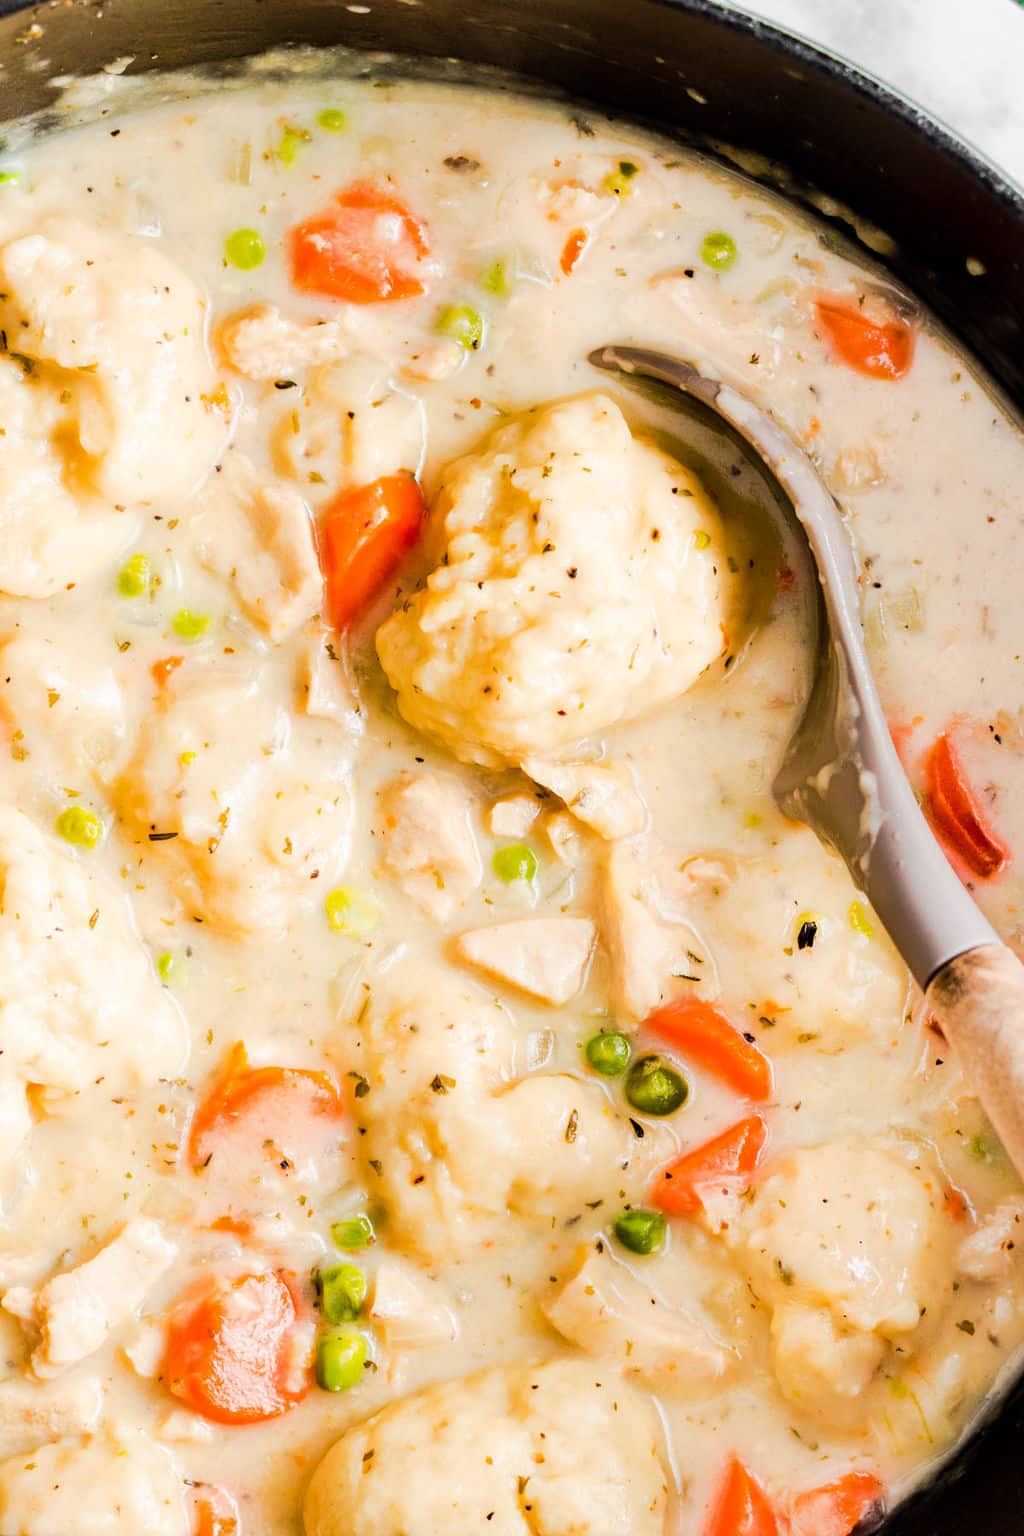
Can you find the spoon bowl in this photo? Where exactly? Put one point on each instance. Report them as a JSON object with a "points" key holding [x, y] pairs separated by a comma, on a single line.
{"points": [[842, 776]]}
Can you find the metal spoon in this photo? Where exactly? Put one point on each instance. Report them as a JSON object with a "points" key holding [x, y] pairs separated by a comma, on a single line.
{"points": [[841, 775]]}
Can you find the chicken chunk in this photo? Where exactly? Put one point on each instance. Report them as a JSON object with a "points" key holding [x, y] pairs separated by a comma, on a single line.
{"points": [[531, 633], [643, 932], [30, 1415], [65, 709], [120, 1483], [453, 1141], [547, 1451], [609, 1313], [327, 688], [79, 1000], [989, 1252], [78, 1309], [263, 344], [123, 329], [348, 427], [50, 538], [256, 801], [409, 1307], [513, 816], [848, 1244], [429, 847], [545, 957], [259, 537], [601, 795]]}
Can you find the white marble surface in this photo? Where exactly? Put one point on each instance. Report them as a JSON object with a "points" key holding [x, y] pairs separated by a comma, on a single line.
{"points": [[963, 60]]}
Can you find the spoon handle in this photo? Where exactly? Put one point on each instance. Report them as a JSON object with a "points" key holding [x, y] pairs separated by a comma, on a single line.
{"points": [[978, 999]]}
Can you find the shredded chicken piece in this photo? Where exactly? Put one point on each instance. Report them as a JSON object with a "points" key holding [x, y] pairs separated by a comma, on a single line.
{"points": [[263, 344], [77, 1310], [544, 956]]}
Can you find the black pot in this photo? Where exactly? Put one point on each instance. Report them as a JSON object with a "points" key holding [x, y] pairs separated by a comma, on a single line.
{"points": [[705, 75]]}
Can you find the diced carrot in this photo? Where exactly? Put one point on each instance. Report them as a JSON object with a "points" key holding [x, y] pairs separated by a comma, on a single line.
{"points": [[956, 1202], [229, 1353], [242, 1093], [365, 535], [703, 1034], [879, 349], [837, 1508], [955, 814], [742, 1508], [573, 249], [215, 1512], [365, 248], [161, 670], [238, 1226], [726, 1162]]}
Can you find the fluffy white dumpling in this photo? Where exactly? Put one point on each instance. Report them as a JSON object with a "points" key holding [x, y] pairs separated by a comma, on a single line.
{"points": [[107, 400], [564, 1447], [455, 1141], [255, 799], [50, 538], [849, 1245], [848, 983], [63, 704], [583, 581], [120, 1483], [125, 327], [79, 1000]]}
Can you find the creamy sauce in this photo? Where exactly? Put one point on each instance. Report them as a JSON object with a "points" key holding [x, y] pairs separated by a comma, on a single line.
{"points": [[283, 860]]}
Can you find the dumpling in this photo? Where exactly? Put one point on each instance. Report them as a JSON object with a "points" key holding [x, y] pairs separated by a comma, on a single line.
{"points": [[250, 803], [583, 581], [79, 999], [848, 1244], [123, 330], [64, 706], [50, 538], [455, 1141], [544, 1451], [106, 400], [120, 1483]]}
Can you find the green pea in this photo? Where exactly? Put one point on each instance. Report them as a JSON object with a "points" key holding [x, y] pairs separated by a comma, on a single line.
{"points": [[516, 861], [640, 1231], [350, 911], [135, 578], [292, 141], [340, 1359], [190, 626], [618, 181], [352, 1235], [654, 1087], [10, 176], [496, 279], [332, 120], [718, 250], [80, 827], [172, 968], [245, 249], [463, 324], [342, 1291], [608, 1053]]}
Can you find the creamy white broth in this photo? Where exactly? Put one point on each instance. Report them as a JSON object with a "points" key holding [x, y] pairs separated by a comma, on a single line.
{"points": [[927, 468]]}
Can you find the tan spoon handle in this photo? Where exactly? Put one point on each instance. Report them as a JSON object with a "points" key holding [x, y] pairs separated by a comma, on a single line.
{"points": [[978, 999]]}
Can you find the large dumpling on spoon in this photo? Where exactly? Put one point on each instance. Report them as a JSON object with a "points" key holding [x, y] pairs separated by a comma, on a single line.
{"points": [[583, 580]]}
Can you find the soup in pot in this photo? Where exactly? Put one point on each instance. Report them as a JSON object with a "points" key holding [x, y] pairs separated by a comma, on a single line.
{"points": [[439, 1091]]}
